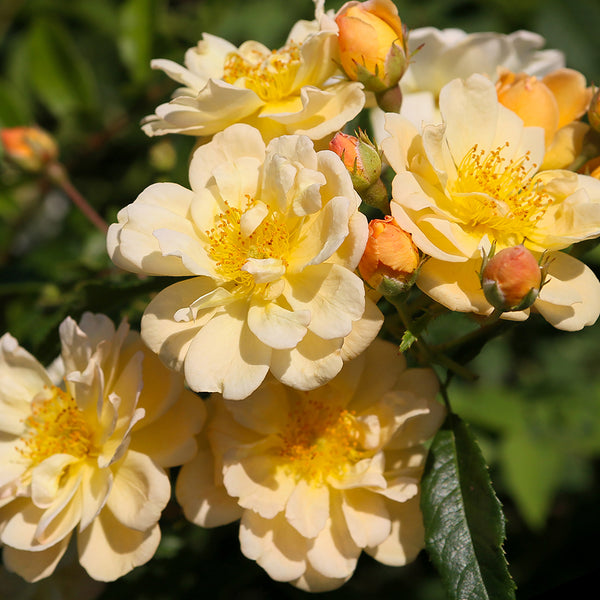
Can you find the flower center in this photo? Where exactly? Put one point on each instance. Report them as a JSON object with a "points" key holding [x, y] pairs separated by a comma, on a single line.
{"points": [[319, 440], [231, 246], [499, 194], [269, 75], [55, 426]]}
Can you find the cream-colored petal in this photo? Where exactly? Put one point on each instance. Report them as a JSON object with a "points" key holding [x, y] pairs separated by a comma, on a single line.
{"points": [[333, 295], [407, 536], [364, 331], [383, 365], [95, 489], [48, 478], [226, 357], [22, 378], [258, 483], [204, 501], [333, 552], [169, 441], [573, 275], [187, 247], [238, 142], [169, 338], [33, 566], [401, 133], [366, 517], [130, 242], [266, 411], [109, 550], [470, 111], [312, 363], [323, 110], [365, 473], [274, 544], [214, 108], [313, 581], [321, 235], [307, 508], [139, 493], [27, 527], [276, 326]]}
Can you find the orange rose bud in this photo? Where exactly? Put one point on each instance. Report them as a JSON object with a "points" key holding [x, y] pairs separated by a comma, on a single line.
{"points": [[594, 111], [512, 279], [31, 148], [372, 42], [391, 259]]}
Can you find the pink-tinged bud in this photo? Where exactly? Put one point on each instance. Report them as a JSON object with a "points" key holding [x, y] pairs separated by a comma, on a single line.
{"points": [[373, 43], [594, 111], [31, 148], [512, 279], [360, 157], [390, 259]]}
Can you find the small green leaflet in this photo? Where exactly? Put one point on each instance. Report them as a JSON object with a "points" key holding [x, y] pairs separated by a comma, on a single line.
{"points": [[464, 524]]}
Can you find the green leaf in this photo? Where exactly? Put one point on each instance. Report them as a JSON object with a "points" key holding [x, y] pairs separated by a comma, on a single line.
{"points": [[408, 338], [136, 35], [533, 468], [14, 108], [60, 76], [464, 524]]}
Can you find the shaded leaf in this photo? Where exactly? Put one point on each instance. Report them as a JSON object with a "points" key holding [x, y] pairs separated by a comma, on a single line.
{"points": [[135, 36], [464, 524], [60, 76], [533, 469]]}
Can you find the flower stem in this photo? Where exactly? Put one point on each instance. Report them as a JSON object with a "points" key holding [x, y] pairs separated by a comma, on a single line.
{"points": [[58, 175]]}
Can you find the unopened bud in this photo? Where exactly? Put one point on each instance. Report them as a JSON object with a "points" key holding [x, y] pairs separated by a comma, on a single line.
{"points": [[390, 259], [360, 157], [31, 148], [594, 111], [373, 43], [511, 279]]}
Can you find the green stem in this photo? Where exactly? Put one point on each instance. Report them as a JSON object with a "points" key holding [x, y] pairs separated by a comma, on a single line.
{"points": [[430, 355]]}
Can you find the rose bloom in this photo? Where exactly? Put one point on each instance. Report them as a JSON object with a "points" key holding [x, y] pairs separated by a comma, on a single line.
{"points": [[296, 89], [270, 237], [91, 454], [472, 180], [554, 102], [316, 477], [449, 54]]}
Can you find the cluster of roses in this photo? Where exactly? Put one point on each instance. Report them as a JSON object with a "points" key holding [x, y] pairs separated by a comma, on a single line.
{"points": [[313, 433]]}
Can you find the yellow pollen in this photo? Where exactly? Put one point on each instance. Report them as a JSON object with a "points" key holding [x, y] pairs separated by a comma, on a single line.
{"points": [[320, 439], [508, 203], [55, 426], [270, 76], [231, 249]]}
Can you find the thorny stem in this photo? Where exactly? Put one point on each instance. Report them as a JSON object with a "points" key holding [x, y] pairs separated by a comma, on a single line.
{"points": [[58, 175]]}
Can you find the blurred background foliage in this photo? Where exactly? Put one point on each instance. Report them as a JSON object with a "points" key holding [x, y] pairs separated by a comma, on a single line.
{"points": [[81, 71]]}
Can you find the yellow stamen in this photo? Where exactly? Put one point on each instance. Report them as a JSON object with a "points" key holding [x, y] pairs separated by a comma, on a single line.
{"points": [[508, 202], [320, 439], [55, 426], [271, 76], [231, 249]]}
